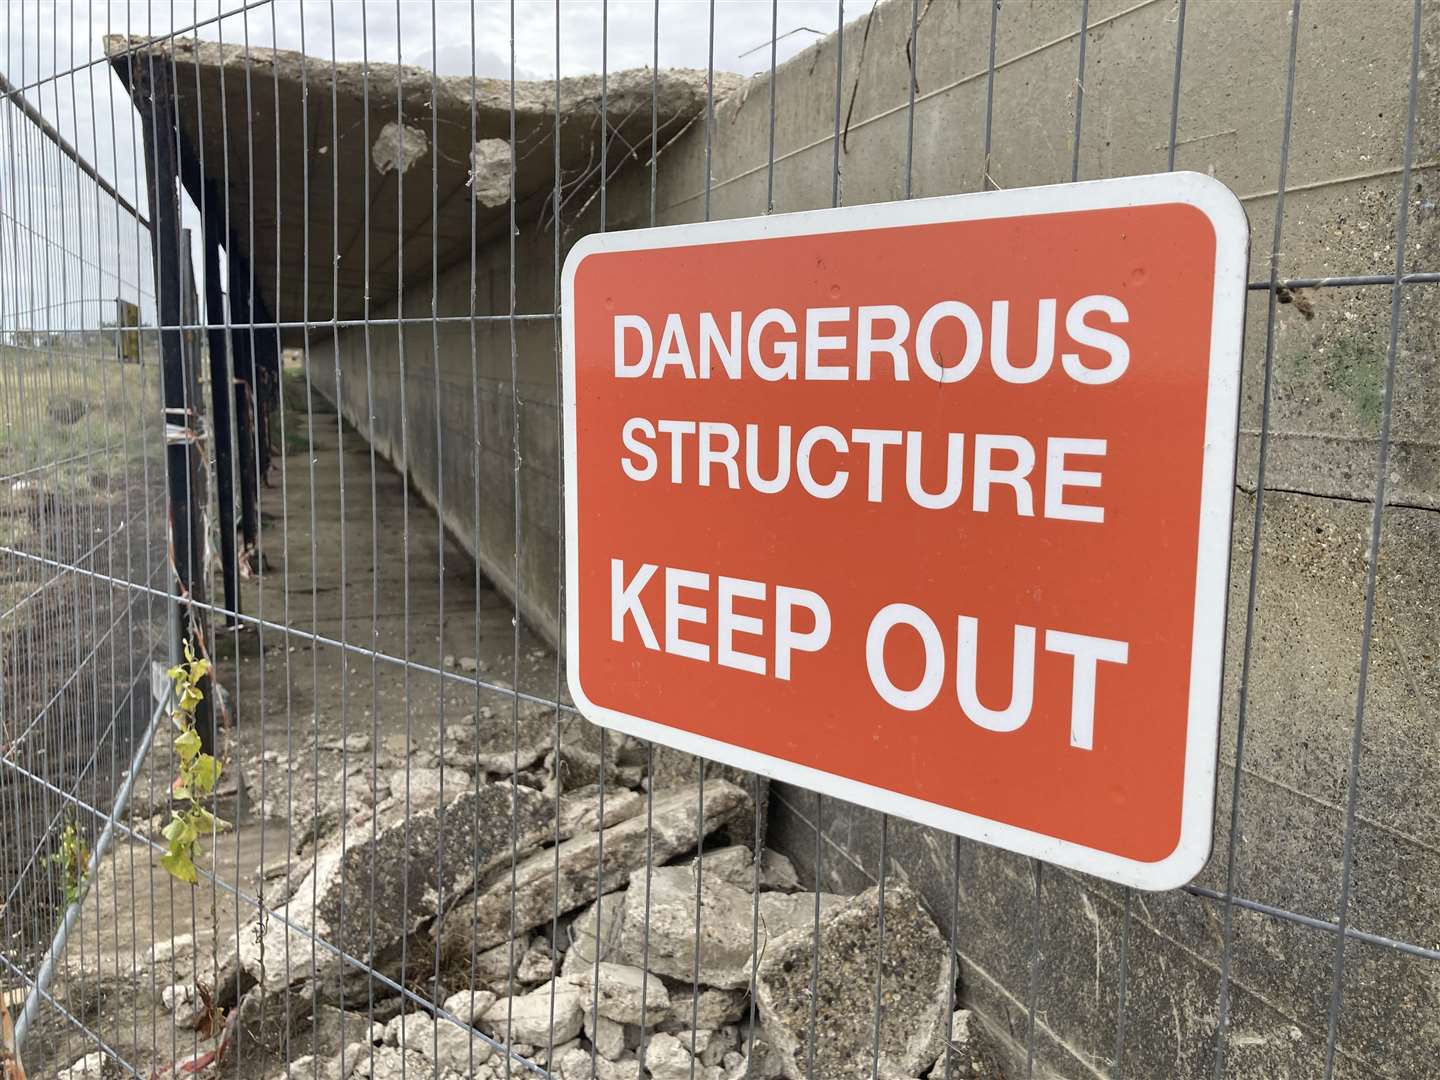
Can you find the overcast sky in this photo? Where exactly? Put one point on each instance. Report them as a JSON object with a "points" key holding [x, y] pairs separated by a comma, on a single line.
{"points": [[52, 48]]}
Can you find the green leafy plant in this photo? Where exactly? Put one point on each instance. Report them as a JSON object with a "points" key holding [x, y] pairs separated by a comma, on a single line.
{"points": [[72, 859], [199, 773]]}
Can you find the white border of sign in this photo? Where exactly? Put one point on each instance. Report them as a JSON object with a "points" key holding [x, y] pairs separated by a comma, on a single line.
{"points": [[1232, 236]]}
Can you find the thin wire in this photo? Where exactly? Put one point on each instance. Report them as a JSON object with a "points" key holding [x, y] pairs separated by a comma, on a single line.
{"points": [[1357, 740], [600, 779], [440, 902], [986, 183], [1122, 991], [1256, 525], [649, 746], [1175, 86], [912, 87], [757, 851], [1080, 89], [515, 570]]}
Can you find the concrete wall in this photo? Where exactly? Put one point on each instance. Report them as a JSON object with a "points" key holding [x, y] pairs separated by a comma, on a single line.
{"points": [[1328, 355]]}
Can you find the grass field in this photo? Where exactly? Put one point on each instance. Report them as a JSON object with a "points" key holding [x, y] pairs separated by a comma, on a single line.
{"points": [[82, 471]]}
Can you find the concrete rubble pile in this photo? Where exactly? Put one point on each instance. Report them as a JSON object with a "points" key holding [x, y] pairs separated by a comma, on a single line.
{"points": [[524, 916]]}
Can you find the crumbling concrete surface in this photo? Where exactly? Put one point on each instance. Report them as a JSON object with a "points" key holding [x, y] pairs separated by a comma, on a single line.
{"points": [[314, 129], [909, 972]]}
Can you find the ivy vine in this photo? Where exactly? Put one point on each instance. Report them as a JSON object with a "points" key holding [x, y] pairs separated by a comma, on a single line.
{"points": [[72, 859], [199, 773]]}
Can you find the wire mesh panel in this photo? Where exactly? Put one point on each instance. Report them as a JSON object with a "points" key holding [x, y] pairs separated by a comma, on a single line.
{"points": [[290, 780]]}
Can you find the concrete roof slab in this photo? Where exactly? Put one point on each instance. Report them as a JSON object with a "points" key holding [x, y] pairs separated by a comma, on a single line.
{"points": [[342, 181]]}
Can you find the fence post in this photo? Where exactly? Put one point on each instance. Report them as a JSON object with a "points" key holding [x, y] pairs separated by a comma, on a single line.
{"points": [[221, 395], [152, 89], [247, 404], [222, 388]]}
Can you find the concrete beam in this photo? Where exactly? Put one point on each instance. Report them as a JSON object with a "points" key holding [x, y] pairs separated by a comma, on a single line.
{"points": [[344, 182]]}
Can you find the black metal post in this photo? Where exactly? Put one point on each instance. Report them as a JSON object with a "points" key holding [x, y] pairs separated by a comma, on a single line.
{"points": [[267, 371], [206, 194], [221, 396], [242, 336], [151, 87]]}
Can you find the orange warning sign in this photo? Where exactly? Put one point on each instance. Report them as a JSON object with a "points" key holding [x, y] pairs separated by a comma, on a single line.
{"points": [[923, 505]]}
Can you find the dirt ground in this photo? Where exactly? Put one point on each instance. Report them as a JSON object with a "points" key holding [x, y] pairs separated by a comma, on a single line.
{"points": [[350, 560]]}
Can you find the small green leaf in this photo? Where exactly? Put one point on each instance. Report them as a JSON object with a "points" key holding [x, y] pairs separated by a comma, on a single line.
{"points": [[204, 772], [205, 822], [187, 744], [180, 866], [180, 832]]}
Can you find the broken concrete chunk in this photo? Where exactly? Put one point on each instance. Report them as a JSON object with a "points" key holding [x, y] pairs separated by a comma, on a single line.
{"points": [[460, 1048], [355, 743], [542, 1054], [397, 147], [675, 767], [710, 1008], [581, 767], [607, 1035], [393, 1063], [577, 1063], [618, 992], [490, 172], [777, 872], [90, 1067], [404, 859], [580, 809], [581, 954], [721, 1043], [697, 1040], [469, 1004], [781, 913], [316, 1067], [961, 1058], [422, 787], [503, 740], [724, 938], [915, 978], [338, 1066], [412, 1029], [667, 1059], [527, 1018], [734, 865], [626, 846], [728, 935], [180, 999], [444, 1042], [736, 1064], [493, 967], [537, 965]]}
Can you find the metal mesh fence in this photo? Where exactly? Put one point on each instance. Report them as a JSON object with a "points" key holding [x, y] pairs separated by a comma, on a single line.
{"points": [[279, 377]]}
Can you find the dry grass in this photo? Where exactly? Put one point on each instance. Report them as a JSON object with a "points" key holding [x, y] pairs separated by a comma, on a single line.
{"points": [[75, 415]]}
